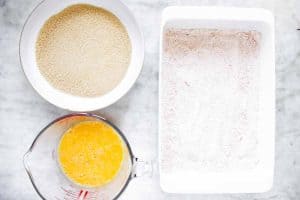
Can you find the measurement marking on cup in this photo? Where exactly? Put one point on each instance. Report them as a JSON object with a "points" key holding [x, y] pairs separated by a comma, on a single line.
{"points": [[74, 195], [82, 195]]}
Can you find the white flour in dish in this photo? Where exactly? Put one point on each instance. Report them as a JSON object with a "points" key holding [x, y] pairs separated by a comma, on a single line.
{"points": [[209, 100]]}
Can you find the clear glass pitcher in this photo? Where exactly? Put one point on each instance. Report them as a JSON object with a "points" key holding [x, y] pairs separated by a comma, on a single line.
{"points": [[41, 164]]}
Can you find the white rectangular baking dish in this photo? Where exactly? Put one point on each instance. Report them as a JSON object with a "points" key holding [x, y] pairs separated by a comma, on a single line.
{"points": [[261, 178]]}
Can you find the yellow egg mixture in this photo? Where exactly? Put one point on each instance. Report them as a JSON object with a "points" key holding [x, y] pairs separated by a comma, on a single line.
{"points": [[91, 153]]}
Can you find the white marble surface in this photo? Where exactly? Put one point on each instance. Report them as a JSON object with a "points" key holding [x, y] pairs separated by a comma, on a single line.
{"points": [[23, 112]]}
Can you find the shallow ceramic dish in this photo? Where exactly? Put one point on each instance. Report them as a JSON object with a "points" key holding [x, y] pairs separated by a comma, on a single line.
{"points": [[260, 178], [35, 21]]}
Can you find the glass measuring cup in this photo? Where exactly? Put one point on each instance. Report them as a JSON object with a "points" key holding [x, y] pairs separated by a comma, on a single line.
{"points": [[42, 167]]}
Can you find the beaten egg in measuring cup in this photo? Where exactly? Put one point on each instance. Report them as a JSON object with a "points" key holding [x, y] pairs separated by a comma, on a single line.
{"points": [[91, 153]]}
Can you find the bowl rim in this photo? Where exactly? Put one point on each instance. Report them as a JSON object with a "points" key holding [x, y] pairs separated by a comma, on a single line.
{"points": [[88, 106], [120, 133]]}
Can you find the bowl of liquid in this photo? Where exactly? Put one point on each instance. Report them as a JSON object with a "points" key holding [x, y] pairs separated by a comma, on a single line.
{"points": [[81, 55], [81, 156]]}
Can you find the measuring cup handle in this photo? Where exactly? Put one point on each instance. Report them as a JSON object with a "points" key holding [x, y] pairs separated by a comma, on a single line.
{"points": [[141, 168]]}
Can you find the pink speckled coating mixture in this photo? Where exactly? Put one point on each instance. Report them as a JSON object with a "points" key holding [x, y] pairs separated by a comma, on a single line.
{"points": [[209, 100]]}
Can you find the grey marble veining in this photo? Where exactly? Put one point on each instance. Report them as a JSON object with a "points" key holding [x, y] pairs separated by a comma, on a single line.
{"points": [[23, 112]]}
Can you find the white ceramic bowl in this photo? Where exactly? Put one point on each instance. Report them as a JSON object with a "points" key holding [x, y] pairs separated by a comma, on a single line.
{"points": [[36, 20]]}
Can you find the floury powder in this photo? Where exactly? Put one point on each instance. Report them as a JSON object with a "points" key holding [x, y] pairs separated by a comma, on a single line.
{"points": [[209, 100]]}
